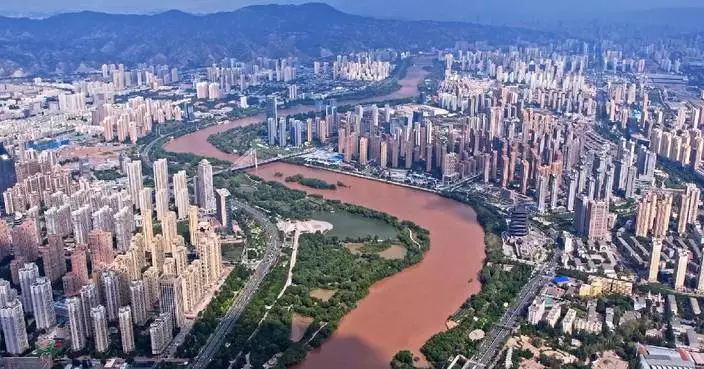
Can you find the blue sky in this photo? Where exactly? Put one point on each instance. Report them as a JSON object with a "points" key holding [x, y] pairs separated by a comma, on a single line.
{"points": [[407, 9]]}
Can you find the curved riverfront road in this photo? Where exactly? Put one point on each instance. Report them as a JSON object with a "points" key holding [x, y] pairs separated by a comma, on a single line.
{"points": [[197, 142]]}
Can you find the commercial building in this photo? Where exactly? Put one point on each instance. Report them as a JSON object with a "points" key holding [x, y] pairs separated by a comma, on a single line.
{"points": [[519, 222]]}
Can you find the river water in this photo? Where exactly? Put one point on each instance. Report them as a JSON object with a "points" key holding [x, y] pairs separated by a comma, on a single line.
{"points": [[406, 309], [197, 142]]}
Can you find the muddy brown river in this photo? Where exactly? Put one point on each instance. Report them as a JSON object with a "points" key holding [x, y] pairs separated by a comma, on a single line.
{"points": [[197, 142], [406, 309]]}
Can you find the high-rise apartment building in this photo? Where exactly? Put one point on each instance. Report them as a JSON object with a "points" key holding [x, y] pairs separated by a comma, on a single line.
{"points": [[100, 245], [28, 274], [135, 180], [151, 285], [222, 196], [124, 228], [14, 330], [100, 328], [653, 214], [591, 218], [162, 203], [53, 258], [161, 175], [689, 206], [111, 293], [654, 266], [209, 251], [169, 230], [76, 323], [205, 193], [81, 220], [161, 332], [193, 223], [126, 330], [43, 303], [681, 268], [138, 301], [181, 197], [171, 300], [89, 299], [7, 168]]}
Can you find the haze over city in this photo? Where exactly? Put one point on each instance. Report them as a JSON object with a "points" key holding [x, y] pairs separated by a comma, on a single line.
{"points": [[471, 10], [397, 184]]}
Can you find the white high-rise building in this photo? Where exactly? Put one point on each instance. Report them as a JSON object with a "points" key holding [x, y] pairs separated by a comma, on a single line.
{"points": [[162, 203], [209, 251], [126, 330], [138, 301], [43, 303], [181, 197], [205, 192], [100, 328], [145, 199], [111, 293], [171, 300], [161, 332], [136, 182], [76, 323], [89, 300], [28, 275], [161, 175], [14, 329], [7, 293], [82, 219]]}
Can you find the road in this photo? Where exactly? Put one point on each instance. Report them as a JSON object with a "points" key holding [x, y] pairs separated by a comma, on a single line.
{"points": [[218, 337], [504, 328]]}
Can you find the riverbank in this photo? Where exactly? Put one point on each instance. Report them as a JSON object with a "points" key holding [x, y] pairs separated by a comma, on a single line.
{"points": [[424, 294], [197, 142], [323, 263]]}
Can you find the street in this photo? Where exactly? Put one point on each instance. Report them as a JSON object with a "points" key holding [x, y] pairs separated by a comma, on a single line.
{"points": [[218, 337]]}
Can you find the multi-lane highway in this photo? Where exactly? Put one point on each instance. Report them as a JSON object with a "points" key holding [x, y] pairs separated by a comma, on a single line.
{"points": [[217, 338], [503, 329]]}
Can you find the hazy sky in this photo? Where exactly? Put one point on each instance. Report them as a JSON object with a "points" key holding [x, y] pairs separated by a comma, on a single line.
{"points": [[415, 9]]}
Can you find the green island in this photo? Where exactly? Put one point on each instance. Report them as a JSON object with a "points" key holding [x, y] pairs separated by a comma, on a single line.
{"points": [[330, 276], [311, 182]]}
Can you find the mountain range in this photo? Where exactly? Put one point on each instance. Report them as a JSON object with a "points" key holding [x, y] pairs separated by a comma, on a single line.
{"points": [[68, 42]]}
